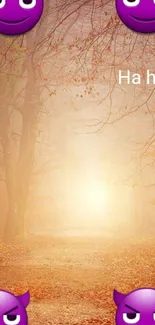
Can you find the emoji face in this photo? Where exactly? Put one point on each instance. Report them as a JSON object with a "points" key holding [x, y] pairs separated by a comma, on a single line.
{"points": [[13, 309], [19, 16], [137, 307], [138, 15]]}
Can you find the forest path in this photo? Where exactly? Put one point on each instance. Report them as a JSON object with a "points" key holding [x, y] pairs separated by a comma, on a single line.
{"points": [[71, 281]]}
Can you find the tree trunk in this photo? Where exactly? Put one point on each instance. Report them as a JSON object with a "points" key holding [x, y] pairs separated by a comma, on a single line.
{"points": [[18, 177], [9, 163], [18, 174], [18, 171], [25, 169]]}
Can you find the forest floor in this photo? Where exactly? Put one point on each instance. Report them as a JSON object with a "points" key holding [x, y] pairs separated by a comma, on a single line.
{"points": [[71, 281]]}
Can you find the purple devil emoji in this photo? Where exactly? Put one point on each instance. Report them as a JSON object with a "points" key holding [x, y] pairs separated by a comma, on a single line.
{"points": [[138, 15], [137, 307], [19, 16], [13, 308]]}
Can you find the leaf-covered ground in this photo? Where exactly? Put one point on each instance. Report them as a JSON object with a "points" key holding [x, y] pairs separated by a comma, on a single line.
{"points": [[71, 281]]}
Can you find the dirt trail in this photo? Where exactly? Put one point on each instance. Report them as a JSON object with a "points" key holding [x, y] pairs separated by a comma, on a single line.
{"points": [[71, 281]]}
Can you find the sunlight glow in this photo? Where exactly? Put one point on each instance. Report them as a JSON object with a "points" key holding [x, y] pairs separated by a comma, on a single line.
{"points": [[88, 201], [93, 196]]}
